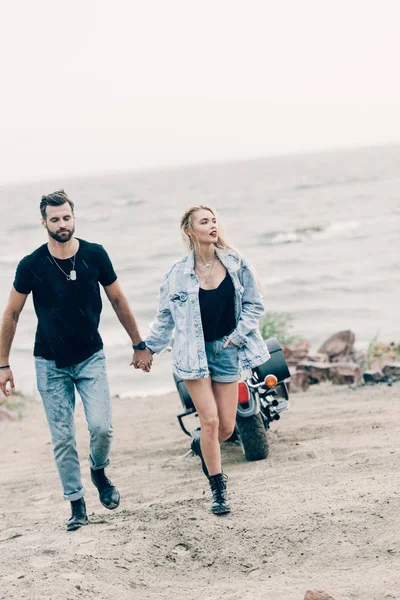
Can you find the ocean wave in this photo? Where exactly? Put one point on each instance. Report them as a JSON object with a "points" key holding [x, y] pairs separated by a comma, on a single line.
{"points": [[277, 280], [130, 268], [341, 227], [127, 202], [164, 254], [23, 227], [333, 182], [155, 391], [304, 234], [93, 216]]}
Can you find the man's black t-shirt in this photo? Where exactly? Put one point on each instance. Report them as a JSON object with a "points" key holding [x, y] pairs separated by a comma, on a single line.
{"points": [[68, 311]]}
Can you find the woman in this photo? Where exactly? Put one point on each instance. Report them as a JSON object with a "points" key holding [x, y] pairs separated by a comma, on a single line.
{"points": [[212, 300]]}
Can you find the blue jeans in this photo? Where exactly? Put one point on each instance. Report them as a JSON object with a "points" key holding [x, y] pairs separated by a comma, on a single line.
{"points": [[57, 389]]}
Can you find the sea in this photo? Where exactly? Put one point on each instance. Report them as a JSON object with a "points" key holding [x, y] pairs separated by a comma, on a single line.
{"points": [[321, 230]]}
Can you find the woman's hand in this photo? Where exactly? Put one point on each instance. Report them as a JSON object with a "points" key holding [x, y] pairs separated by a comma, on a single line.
{"points": [[228, 342]]}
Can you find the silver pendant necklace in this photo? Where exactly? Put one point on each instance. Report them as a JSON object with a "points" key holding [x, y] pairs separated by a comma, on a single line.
{"points": [[72, 273], [205, 278], [206, 264]]}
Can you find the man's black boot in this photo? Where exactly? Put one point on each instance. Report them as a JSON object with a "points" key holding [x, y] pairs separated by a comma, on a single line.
{"points": [[219, 505], [108, 493], [196, 449], [78, 517]]}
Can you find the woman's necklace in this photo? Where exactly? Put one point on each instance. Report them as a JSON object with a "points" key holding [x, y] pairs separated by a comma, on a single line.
{"points": [[205, 278], [208, 263], [72, 273]]}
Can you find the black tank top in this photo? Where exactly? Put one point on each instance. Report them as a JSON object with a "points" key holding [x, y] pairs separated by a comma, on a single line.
{"points": [[217, 308]]}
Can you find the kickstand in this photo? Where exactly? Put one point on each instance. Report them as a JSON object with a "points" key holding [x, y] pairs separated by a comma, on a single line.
{"points": [[188, 453]]}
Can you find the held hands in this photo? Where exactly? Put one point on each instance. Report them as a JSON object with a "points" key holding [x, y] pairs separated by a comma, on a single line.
{"points": [[142, 359], [6, 376]]}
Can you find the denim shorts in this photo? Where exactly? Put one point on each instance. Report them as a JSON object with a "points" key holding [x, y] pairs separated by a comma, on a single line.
{"points": [[223, 363]]}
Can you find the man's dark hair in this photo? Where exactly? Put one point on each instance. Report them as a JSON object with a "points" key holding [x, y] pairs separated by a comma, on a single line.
{"points": [[57, 198]]}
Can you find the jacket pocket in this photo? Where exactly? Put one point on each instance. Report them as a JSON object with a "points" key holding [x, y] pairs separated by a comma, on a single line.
{"points": [[179, 297]]}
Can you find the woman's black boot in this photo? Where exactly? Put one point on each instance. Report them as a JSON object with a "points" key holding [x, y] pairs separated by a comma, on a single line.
{"points": [[219, 505]]}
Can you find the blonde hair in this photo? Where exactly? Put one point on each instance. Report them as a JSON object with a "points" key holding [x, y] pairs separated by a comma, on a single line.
{"points": [[189, 236]]}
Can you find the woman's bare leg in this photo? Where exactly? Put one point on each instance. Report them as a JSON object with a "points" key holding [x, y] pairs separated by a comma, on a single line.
{"points": [[202, 395], [226, 398]]}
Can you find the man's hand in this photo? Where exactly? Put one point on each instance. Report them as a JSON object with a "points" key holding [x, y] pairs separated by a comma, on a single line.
{"points": [[142, 359], [8, 327], [6, 376]]}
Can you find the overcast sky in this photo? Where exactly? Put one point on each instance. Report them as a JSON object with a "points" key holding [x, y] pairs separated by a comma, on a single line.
{"points": [[93, 86]]}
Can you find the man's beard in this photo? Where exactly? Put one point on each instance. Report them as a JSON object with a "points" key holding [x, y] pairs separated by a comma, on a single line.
{"points": [[59, 237]]}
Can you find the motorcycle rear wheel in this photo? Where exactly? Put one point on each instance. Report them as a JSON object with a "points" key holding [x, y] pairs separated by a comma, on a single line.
{"points": [[253, 437]]}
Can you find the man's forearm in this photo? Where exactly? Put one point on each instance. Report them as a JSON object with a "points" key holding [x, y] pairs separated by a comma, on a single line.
{"points": [[126, 318], [7, 333]]}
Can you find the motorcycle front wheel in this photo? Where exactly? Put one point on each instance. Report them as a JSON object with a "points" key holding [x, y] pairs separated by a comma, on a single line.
{"points": [[253, 437]]}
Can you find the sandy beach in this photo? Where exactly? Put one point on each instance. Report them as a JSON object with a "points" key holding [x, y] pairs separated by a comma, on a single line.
{"points": [[323, 511]]}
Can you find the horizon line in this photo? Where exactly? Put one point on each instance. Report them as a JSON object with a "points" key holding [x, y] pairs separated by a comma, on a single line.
{"points": [[195, 164]]}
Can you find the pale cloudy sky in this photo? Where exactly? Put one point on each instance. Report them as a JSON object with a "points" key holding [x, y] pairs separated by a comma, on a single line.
{"points": [[93, 86]]}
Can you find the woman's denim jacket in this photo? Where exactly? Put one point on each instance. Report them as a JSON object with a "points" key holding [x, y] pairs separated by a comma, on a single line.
{"points": [[179, 309]]}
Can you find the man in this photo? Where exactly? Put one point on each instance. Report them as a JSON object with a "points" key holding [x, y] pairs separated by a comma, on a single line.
{"points": [[63, 276]]}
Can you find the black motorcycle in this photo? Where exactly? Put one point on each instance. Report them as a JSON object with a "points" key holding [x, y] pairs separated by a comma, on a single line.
{"points": [[262, 396]]}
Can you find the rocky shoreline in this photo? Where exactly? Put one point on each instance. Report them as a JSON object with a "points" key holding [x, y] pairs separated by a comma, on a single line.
{"points": [[338, 362]]}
